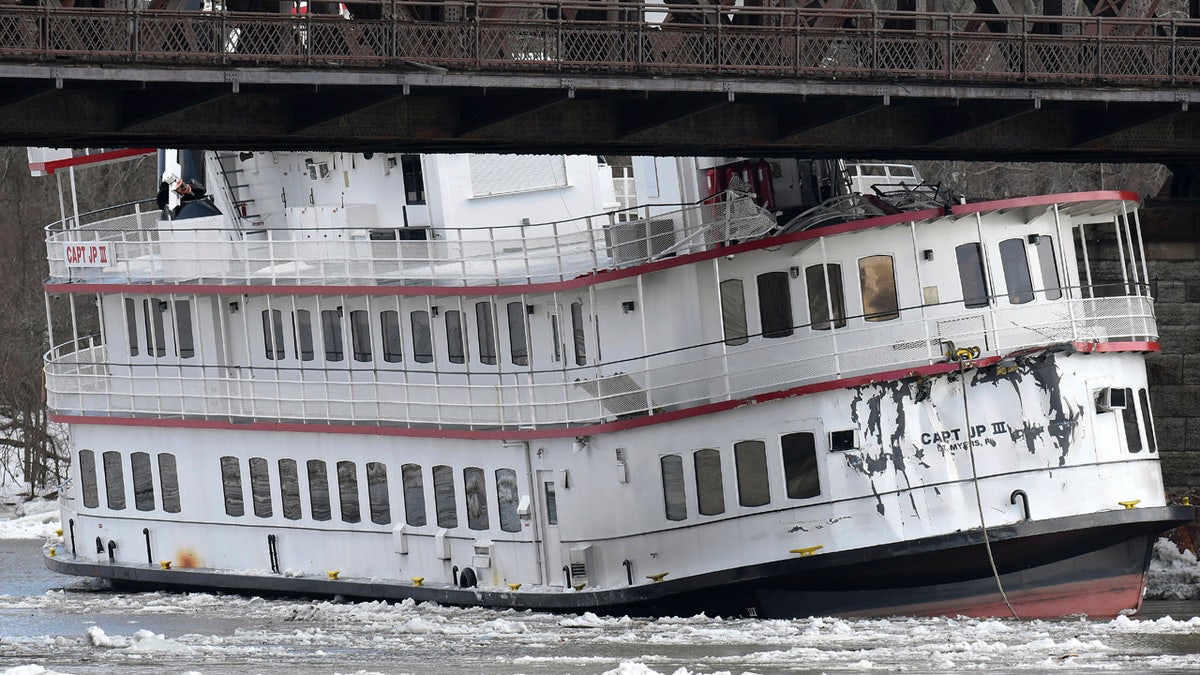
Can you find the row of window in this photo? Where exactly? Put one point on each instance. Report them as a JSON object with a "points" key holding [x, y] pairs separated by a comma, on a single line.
{"points": [[801, 480], [1014, 260], [346, 479], [1121, 401], [143, 481], [151, 315]]}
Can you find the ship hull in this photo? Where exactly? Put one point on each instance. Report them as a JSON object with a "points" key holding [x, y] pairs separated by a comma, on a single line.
{"points": [[1091, 565]]}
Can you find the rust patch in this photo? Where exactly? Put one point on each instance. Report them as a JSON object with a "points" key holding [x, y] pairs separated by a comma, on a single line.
{"points": [[187, 559]]}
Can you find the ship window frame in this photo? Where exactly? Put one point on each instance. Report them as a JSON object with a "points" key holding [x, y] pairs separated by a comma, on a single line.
{"points": [[842, 440], [413, 175], [508, 496], [302, 338], [1147, 420], [733, 312], [750, 463], [972, 276], [710, 483], [414, 495], [556, 338], [142, 475], [131, 329], [551, 494], [331, 335], [877, 285], [168, 474], [272, 320], [673, 484], [1048, 267], [390, 336], [289, 488], [1014, 262], [360, 335], [798, 452], [518, 333], [114, 481], [422, 336], [578, 334], [231, 486], [319, 502], [349, 507], [445, 501], [456, 344], [775, 305], [156, 330], [185, 341], [377, 493], [260, 487], [485, 328], [87, 477], [816, 279], [475, 498], [1130, 424]]}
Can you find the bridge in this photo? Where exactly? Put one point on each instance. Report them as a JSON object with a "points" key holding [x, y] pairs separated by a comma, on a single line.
{"points": [[608, 76]]}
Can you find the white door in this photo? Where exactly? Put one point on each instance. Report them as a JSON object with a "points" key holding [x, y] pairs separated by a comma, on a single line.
{"points": [[547, 515]]}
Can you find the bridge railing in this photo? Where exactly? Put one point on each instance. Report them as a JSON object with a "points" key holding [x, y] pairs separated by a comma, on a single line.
{"points": [[623, 37]]}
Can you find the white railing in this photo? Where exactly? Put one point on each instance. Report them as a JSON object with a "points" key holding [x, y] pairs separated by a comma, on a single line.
{"points": [[214, 250], [82, 378]]}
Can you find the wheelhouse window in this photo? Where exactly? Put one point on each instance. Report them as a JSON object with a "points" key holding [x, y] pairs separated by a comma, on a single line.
{"points": [[877, 280], [87, 478], [733, 312], [475, 487], [131, 331], [414, 495], [577, 334], [487, 333], [1015, 262], [456, 348], [971, 275], [289, 489], [377, 493], [114, 480], [231, 486], [170, 482], [674, 499], [826, 301], [360, 335], [302, 334], [422, 337], [775, 305], [318, 490], [750, 459], [331, 330], [347, 474], [260, 487], [800, 465], [507, 499], [518, 338], [1048, 266], [143, 481], [1147, 420], [710, 489], [443, 497], [185, 345], [272, 320], [389, 324]]}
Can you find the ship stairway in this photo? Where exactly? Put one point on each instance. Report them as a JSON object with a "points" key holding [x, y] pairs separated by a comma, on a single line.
{"points": [[231, 192]]}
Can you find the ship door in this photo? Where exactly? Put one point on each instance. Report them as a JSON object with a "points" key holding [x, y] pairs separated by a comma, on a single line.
{"points": [[547, 486]]}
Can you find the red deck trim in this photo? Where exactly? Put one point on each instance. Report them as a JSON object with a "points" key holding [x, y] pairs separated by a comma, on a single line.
{"points": [[83, 160], [1043, 200], [587, 430]]}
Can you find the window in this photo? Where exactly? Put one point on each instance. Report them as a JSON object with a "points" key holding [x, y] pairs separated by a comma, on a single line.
{"points": [[170, 482], [131, 332], [443, 497], [750, 459], [842, 440], [272, 320], [1015, 262], [710, 490], [260, 487], [1129, 419], [318, 490], [143, 481], [1147, 420], [487, 333], [800, 465], [185, 346], [507, 498], [156, 343], [289, 489], [389, 323], [733, 312], [87, 477], [302, 334], [414, 181], [555, 337], [414, 495], [775, 305], [456, 350], [877, 279], [377, 493], [971, 276], [331, 329], [674, 498], [825, 291], [475, 487], [1048, 266], [231, 486], [347, 474], [114, 480], [422, 336], [518, 338], [360, 335], [577, 333]]}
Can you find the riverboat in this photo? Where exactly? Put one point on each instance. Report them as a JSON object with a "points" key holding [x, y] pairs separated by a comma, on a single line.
{"points": [[746, 387]]}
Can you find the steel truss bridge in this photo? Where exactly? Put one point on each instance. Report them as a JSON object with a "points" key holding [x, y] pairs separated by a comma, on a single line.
{"points": [[812, 78]]}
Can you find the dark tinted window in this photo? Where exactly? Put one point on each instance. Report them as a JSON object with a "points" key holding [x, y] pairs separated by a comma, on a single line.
{"points": [[377, 493], [414, 495], [475, 487], [750, 459], [114, 480], [422, 337], [360, 335], [456, 349], [347, 474], [231, 486], [825, 292], [389, 323], [331, 329], [775, 304], [143, 481], [260, 487], [487, 333], [971, 276], [733, 312], [710, 488], [518, 342], [170, 482], [800, 465], [1016, 271], [674, 498], [318, 490]]}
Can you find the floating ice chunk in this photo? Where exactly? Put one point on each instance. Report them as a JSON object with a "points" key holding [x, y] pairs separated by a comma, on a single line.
{"points": [[32, 669]]}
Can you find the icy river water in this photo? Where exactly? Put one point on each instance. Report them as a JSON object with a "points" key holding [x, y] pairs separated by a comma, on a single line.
{"points": [[55, 624]]}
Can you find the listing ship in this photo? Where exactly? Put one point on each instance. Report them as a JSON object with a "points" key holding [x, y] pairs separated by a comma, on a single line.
{"points": [[752, 387]]}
